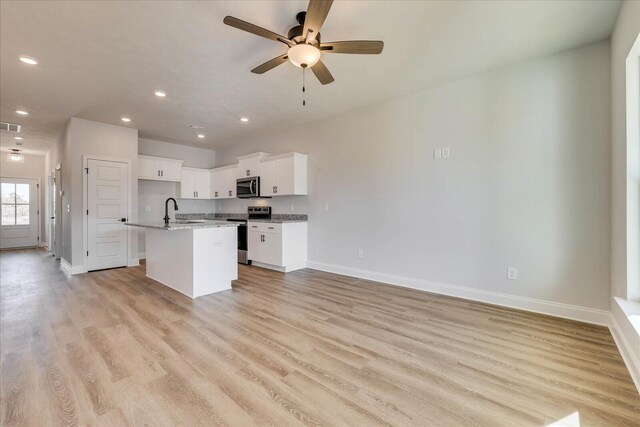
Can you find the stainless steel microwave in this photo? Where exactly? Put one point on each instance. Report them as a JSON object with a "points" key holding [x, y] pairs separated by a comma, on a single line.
{"points": [[248, 188]]}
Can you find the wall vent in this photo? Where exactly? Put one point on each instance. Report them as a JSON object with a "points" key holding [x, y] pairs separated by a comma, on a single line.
{"points": [[10, 127]]}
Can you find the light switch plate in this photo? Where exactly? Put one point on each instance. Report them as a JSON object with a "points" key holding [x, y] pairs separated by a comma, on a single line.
{"points": [[437, 153], [512, 273], [147, 208], [445, 152]]}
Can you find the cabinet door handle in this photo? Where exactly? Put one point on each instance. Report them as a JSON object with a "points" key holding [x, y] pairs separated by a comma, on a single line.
{"points": [[158, 172], [161, 172], [216, 194], [271, 228], [229, 192], [254, 226]]}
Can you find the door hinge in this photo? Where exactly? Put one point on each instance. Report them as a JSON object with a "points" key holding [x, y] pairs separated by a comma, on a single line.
{"points": [[38, 213], [87, 253], [87, 211], [86, 169], [37, 185]]}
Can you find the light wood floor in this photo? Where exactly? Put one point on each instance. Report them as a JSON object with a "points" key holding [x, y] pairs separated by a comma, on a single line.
{"points": [[115, 348]]}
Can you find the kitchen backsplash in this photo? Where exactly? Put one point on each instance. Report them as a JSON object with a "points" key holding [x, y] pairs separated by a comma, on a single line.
{"points": [[217, 215]]}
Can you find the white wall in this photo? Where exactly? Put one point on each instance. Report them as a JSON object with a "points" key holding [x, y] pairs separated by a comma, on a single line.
{"points": [[527, 184], [624, 35], [92, 138], [627, 336], [33, 167], [153, 194]]}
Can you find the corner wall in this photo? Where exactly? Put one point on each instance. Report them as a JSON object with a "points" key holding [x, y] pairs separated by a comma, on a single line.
{"points": [[627, 334], [527, 185], [624, 35]]}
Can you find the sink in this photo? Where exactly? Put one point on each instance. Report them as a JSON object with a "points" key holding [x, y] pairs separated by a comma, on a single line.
{"points": [[186, 222]]}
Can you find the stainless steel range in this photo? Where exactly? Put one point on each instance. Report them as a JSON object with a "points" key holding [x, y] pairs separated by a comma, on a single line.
{"points": [[253, 212]]}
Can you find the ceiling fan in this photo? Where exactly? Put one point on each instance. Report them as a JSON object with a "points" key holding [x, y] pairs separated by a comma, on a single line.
{"points": [[303, 41]]}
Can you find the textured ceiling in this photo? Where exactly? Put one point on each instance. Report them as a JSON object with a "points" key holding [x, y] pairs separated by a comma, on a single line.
{"points": [[103, 60]]}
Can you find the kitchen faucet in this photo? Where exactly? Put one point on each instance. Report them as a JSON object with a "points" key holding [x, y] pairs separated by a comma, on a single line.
{"points": [[166, 209]]}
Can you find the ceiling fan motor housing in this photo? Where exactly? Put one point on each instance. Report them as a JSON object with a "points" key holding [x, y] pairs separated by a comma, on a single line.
{"points": [[295, 35]]}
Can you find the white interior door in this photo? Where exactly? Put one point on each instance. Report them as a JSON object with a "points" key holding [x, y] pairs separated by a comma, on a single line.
{"points": [[108, 207], [19, 223]]}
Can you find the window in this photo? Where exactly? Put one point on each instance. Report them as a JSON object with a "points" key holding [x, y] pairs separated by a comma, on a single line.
{"points": [[15, 203]]}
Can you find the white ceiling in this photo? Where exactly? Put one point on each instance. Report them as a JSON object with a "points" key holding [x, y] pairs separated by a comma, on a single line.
{"points": [[103, 60]]}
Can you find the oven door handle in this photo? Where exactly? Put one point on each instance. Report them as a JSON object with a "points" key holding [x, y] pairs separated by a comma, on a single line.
{"points": [[253, 187]]}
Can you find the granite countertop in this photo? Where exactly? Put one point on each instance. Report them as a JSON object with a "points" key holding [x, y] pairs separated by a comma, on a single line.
{"points": [[275, 218], [181, 225]]}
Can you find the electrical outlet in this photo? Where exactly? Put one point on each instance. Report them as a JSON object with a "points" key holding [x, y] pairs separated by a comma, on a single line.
{"points": [[512, 273], [360, 254], [437, 153], [446, 151], [147, 208], [326, 207]]}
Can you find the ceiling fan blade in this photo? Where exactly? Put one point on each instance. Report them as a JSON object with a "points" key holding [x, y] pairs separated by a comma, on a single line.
{"points": [[317, 12], [369, 47], [322, 73], [269, 65], [254, 29]]}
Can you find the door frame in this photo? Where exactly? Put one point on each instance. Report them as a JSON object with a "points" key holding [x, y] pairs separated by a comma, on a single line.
{"points": [[85, 206], [51, 198], [58, 212], [38, 217]]}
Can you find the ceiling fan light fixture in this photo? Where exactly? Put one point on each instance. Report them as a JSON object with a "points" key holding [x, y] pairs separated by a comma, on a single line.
{"points": [[303, 55]]}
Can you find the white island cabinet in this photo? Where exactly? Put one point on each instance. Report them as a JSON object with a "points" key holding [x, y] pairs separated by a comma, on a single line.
{"points": [[196, 258]]}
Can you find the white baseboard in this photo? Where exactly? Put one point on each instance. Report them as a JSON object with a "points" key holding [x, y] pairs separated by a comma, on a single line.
{"points": [[629, 356], [133, 262], [142, 255], [71, 269], [567, 311], [287, 269]]}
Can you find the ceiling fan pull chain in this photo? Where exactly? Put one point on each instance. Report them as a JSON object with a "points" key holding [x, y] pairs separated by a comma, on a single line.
{"points": [[303, 87]]}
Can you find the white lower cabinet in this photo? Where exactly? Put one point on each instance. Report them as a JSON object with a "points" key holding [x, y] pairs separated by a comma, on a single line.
{"points": [[279, 246]]}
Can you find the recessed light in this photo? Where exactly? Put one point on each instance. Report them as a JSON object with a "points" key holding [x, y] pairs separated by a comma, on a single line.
{"points": [[28, 60], [161, 93], [22, 112], [19, 138], [244, 119], [200, 135], [126, 119]]}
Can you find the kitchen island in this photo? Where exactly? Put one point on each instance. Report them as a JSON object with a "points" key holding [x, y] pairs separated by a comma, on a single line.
{"points": [[193, 257]]}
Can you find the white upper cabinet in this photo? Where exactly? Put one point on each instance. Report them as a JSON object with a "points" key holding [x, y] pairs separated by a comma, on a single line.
{"points": [[223, 182], [250, 165], [268, 178], [284, 175], [196, 184], [159, 169]]}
